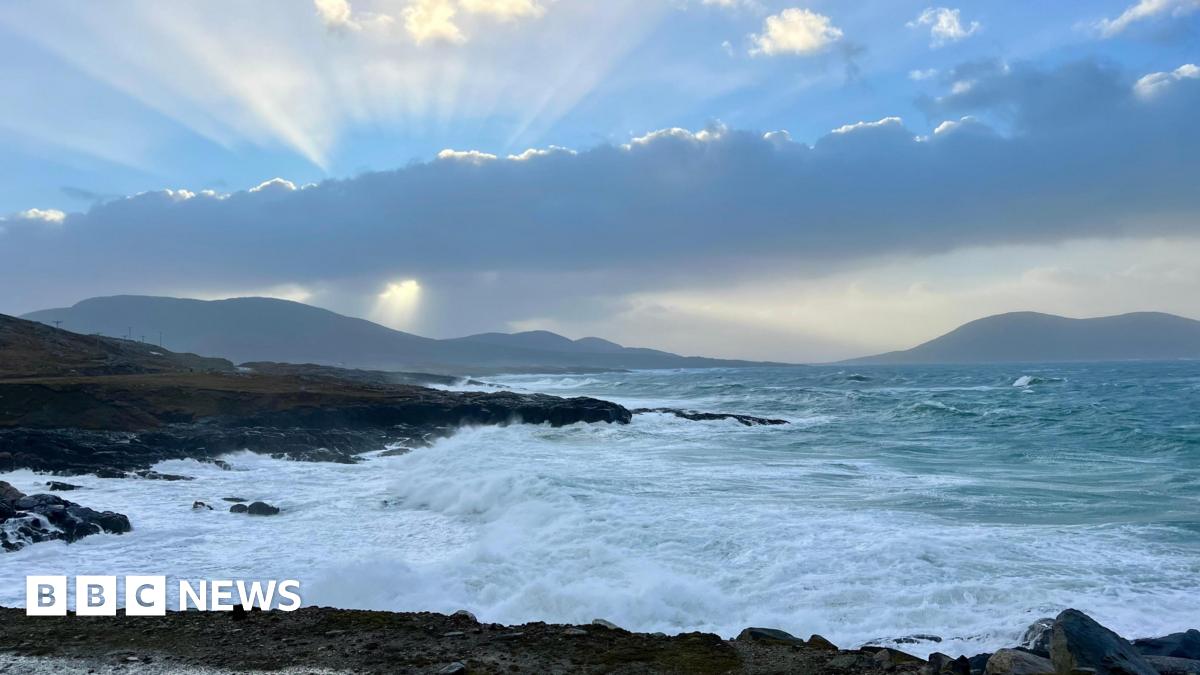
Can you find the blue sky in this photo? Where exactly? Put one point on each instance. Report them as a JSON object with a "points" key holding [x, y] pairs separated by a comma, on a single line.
{"points": [[105, 101]]}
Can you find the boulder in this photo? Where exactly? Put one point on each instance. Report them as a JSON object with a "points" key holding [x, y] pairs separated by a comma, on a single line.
{"points": [[979, 663], [238, 508], [890, 659], [770, 636], [1170, 665], [819, 642], [1184, 645], [1036, 638], [942, 664], [45, 517], [235, 500], [1079, 642], [8, 493], [1018, 662], [464, 615], [154, 475], [59, 486], [200, 506], [261, 509]]}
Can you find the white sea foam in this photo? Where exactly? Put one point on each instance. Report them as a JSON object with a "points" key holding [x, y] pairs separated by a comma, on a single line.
{"points": [[1023, 381], [831, 526]]}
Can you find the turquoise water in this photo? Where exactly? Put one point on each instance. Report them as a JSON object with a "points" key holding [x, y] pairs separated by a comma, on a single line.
{"points": [[963, 502]]}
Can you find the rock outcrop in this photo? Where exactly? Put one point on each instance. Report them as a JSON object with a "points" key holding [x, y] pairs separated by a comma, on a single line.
{"points": [[1079, 643], [29, 519]]}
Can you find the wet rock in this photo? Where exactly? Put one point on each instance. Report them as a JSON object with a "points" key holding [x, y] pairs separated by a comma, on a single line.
{"points": [[464, 615], [770, 636], [59, 486], [261, 509], [1036, 638], [238, 508], [8, 493], [154, 475], [979, 663], [1079, 642], [943, 664], [744, 420], [1018, 662], [46, 517], [890, 659], [199, 506], [1184, 645], [235, 500], [819, 642], [1171, 665], [605, 624]]}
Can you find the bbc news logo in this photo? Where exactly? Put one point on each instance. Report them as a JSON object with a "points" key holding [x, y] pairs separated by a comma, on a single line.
{"points": [[147, 595]]}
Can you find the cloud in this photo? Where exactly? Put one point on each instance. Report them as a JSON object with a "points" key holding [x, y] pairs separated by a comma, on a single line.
{"points": [[432, 21], [554, 234], [945, 26], [1156, 83], [926, 74], [794, 31], [504, 10], [1145, 10], [274, 185], [53, 216], [338, 15]]}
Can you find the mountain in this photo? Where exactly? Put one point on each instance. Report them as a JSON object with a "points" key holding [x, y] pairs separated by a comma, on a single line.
{"points": [[1034, 337], [268, 329]]}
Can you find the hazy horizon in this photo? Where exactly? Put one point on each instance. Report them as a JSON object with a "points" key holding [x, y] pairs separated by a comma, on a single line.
{"points": [[755, 179]]}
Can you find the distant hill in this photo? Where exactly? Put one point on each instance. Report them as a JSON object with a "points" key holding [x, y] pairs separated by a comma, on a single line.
{"points": [[29, 349], [268, 329], [1034, 337]]}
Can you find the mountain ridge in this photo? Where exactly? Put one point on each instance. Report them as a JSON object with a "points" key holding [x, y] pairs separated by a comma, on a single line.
{"points": [[1038, 337], [271, 329]]}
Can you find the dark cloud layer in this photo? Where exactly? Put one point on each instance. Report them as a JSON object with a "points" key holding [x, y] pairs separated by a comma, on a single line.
{"points": [[1051, 155]]}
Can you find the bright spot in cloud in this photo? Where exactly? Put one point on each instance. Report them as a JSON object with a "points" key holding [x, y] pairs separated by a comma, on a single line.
{"points": [[45, 215], [1145, 10], [397, 305]]}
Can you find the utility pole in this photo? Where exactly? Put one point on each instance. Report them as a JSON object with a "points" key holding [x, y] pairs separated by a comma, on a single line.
{"points": [[160, 338], [57, 324]]}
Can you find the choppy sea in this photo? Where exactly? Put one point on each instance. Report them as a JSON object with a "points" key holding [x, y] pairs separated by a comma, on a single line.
{"points": [[962, 502]]}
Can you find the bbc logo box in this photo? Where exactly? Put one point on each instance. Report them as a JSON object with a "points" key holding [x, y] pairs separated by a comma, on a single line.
{"points": [[95, 595]]}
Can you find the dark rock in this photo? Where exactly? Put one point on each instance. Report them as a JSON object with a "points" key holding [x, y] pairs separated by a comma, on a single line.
{"points": [[1171, 665], [819, 642], [154, 475], [942, 664], [745, 420], [890, 659], [45, 517], [238, 508], [769, 635], [1018, 662], [235, 500], [1036, 638], [200, 506], [261, 509], [1184, 645], [464, 615], [59, 486], [978, 663], [1079, 642], [8, 493]]}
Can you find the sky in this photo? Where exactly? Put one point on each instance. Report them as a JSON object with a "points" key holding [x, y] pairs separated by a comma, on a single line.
{"points": [[799, 181]]}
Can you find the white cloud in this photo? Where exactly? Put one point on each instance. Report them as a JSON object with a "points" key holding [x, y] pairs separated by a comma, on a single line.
{"points": [[273, 185], [339, 15], [794, 31], [505, 10], [432, 21], [919, 75], [1143, 10], [471, 156], [1154, 83], [945, 25], [885, 122], [531, 153], [53, 216]]}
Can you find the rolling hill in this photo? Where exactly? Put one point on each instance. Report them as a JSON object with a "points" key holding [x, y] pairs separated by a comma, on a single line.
{"points": [[1034, 337], [269, 329]]}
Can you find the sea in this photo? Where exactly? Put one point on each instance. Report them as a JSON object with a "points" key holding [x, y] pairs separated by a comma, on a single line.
{"points": [[962, 502]]}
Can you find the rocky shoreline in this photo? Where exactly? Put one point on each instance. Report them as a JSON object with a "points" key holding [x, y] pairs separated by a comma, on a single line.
{"points": [[319, 639]]}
